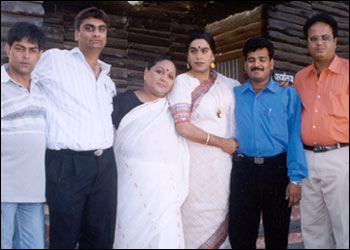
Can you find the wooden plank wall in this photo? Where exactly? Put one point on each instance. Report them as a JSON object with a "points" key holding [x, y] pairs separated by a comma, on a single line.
{"points": [[18, 11], [132, 41], [231, 33], [283, 25], [285, 29]]}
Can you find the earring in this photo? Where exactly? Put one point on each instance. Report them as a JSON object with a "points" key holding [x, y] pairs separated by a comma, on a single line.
{"points": [[144, 78], [212, 65], [188, 66]]}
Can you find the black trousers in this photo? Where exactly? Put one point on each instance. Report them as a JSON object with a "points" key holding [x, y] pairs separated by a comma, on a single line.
{"points": [[256, 189], [81, 192]]}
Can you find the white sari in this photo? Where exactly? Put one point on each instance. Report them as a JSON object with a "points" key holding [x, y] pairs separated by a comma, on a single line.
{"points": [[205, 211], [152, 162]]}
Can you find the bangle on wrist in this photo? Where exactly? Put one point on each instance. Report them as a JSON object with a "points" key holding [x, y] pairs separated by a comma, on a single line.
{"points": [[207, 141]]}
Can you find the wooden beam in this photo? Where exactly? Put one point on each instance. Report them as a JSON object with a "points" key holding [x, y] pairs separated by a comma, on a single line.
{"points": [[243, 18], [229, 55]]}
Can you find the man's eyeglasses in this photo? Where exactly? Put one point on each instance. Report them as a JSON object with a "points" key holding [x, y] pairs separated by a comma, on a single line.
{"points": [[326, 38]]}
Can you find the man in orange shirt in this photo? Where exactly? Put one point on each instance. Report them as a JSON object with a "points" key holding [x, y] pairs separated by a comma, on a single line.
{"points": [[324, 92]]}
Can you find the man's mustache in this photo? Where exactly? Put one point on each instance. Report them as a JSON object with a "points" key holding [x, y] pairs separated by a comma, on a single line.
{"points": [[253, 69]]}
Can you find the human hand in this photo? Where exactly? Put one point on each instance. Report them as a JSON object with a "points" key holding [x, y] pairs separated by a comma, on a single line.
{"points": [[284, 84], [229, 145], [293, 194]]}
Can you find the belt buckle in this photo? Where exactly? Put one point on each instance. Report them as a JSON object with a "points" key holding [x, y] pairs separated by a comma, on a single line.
{"points": [[98, 152], [258, 160], [318, 148], [240, 155]]}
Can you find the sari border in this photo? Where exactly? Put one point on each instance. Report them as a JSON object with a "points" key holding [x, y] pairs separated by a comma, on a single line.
{"points": [[181, 112], [218, 238], [198, 93]]}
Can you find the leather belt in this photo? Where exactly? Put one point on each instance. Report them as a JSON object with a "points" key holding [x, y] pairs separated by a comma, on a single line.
{"points": [[97, 152], [322, 148], [260, 160]]}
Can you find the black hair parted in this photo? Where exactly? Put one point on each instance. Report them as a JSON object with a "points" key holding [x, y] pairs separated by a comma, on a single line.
{"points": [[202, 35], [324, 18], [157, 59], [256, 43], [21, 30]]}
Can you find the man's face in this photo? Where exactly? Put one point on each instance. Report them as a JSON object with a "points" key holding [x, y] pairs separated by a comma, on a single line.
{"points": [[92, 34], [258, 65], [321, 43], [23, 55]]}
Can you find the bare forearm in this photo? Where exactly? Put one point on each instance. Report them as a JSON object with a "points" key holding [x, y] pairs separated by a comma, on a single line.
{"points": [[192, 132], [195, 134]]}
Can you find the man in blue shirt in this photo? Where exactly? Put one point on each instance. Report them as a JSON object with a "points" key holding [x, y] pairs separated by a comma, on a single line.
{"points": [[270, 161]]}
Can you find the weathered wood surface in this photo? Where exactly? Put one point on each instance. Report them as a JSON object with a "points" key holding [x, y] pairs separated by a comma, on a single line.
{"points": [[285, 23], [18, 11], [136, 34], [235, 21], [231, 33]]}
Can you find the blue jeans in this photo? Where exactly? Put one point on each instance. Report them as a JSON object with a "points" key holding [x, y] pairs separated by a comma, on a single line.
{"points": [[22, 225]]}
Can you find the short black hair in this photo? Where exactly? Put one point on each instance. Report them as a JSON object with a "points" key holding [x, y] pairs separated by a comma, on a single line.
{"points": [[324, 18], [202, 35], [157, 59], [20, 30], [91, 12], [255, 43]]}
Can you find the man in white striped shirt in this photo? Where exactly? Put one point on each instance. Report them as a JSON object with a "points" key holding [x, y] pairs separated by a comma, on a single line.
{"points": [[81, 178], [23, 110]]}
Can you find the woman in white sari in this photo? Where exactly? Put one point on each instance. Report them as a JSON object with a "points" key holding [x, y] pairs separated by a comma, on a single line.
{"points": [[202, 105], [152, 162]]}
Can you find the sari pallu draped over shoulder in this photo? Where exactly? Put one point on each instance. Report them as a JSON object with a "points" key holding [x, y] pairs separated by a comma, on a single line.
{"points": [[153, 163], [202, 89]]}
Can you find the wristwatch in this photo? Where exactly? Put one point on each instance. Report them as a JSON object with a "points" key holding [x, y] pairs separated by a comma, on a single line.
{"points": [[297, 183]]}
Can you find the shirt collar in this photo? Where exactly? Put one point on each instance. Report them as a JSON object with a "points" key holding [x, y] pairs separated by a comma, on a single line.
{"points": [[334, 66], [5, 77], [272, 86], [104, 66]]}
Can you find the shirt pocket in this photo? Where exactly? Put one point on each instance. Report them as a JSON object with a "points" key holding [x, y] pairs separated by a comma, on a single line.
{"points": [[277, 118], [339, 105]]}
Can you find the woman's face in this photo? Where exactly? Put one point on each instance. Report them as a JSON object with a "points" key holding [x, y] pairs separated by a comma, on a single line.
{"points": [[160, 78], [200, 55]]}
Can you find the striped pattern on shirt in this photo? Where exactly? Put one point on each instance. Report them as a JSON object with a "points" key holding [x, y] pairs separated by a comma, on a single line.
{"points": [[79, 105], [22, 141], [22, 111]]}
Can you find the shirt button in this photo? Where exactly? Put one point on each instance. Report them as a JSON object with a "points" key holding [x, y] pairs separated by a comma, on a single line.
{"points": [[316, 111], [318, 97], [315, 143], [314, 126]]}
